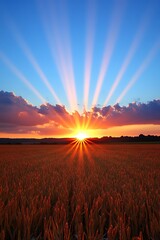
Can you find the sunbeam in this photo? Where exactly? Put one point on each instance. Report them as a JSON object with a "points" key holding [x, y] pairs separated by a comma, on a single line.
{"points": [[109, 47], [36, 66], [60, 49], [21, 42], [134, 45], [21, 76], [140, 70], [89, 51], [75, 58]]}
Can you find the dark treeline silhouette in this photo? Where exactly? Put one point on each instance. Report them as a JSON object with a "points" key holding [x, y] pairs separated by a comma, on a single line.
{"points": [[123, 139]]}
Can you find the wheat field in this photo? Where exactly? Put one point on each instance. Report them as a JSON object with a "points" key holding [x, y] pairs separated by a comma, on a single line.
{"points": [[80, 191]]}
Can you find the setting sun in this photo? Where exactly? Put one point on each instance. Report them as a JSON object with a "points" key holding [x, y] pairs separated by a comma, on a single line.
{"points": [[81, 136], [80, 120]]}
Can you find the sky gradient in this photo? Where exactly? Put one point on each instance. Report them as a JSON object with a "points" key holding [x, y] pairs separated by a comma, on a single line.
{"points": [[68, 66]]}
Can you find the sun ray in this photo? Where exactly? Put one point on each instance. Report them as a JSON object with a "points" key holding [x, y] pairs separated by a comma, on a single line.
{"points": [[67, 122], [109, 47], [81, 152], [72, 149], [87, 120], [36, 66], [21, 76], [135, 43], [19, 39], [60, 49], [89, 149], [140, 70], [89, 51]]}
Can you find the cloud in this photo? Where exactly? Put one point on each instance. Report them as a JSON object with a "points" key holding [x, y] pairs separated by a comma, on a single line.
{"points": [[16, 110], [134, 113], [19, 116]]}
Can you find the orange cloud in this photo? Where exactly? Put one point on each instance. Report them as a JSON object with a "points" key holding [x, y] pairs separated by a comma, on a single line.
{"points": [[21, 118]]}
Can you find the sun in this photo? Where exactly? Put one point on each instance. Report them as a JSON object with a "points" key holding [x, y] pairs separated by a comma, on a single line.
{"points": [[81, 136]]}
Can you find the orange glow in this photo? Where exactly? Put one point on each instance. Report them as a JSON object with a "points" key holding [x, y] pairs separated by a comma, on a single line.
{"points": [[130, 130], [81, 136]]}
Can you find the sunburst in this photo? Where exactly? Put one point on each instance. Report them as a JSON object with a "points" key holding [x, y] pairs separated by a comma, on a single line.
{"points": [[81, 136]]}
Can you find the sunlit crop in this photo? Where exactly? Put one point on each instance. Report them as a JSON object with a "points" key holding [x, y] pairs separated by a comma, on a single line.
{"points": [[84, 192]]}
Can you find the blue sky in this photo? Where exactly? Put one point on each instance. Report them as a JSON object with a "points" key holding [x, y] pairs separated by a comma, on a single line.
{"points": [[61, 36]]}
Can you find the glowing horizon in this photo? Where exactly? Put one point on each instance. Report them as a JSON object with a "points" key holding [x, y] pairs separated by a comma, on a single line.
{"points": [[75, 66]]}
